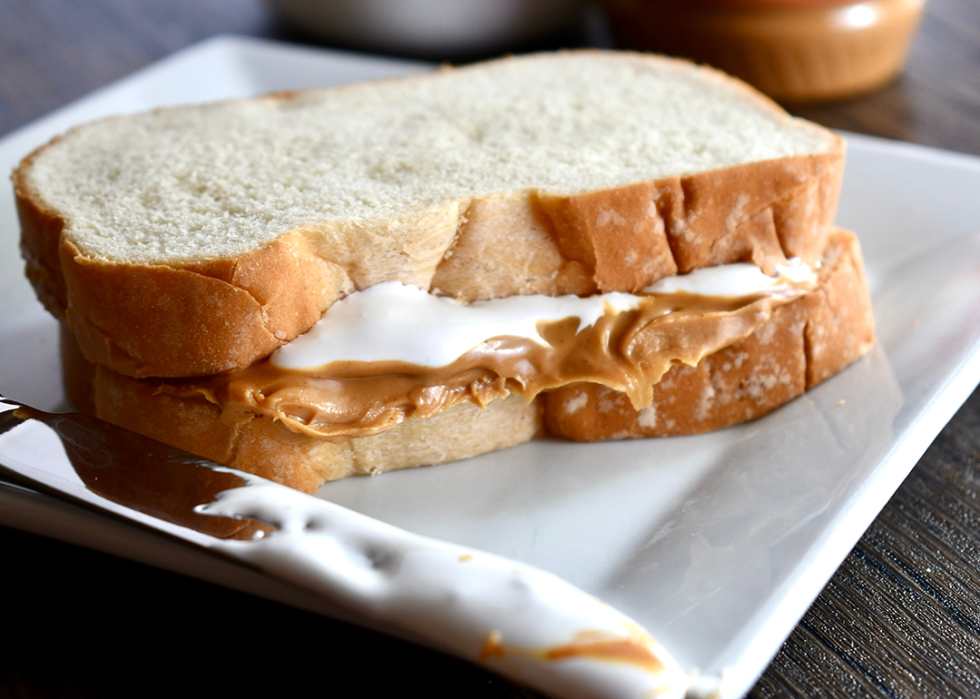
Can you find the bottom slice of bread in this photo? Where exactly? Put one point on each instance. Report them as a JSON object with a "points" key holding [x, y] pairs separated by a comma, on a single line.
{"points": [[803, 343]]}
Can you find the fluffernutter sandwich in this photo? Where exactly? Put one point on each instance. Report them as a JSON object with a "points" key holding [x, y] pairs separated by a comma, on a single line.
{"points": [[310, 285]]}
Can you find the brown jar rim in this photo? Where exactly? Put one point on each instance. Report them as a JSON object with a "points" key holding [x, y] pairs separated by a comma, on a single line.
{"points": [[754, 3]]}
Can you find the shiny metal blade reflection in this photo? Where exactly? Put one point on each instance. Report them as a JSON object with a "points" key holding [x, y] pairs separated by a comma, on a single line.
{"points": [[117, 470]]}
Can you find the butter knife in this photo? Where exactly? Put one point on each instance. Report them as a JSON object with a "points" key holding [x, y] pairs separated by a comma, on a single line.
{"points": [[513, 619]]}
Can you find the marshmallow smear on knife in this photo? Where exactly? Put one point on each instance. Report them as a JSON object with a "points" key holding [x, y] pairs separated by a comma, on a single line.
{"points": [[183, 246]]}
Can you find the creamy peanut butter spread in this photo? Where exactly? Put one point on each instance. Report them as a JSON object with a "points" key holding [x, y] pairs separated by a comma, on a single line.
{"points": [[628, 348]]}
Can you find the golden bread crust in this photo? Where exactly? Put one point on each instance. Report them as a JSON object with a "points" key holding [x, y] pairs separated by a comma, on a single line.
{"points": [[40, 240], [146, 320]]}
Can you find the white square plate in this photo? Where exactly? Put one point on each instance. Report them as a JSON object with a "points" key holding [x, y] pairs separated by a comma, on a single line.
{"points": [[718, 543]]}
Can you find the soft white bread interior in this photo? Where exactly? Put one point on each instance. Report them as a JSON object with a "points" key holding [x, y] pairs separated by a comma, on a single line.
{"points": [[190, 241], [803, 343]]}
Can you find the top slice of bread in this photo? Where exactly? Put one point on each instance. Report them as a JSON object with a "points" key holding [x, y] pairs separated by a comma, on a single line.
{"points": [[193, 240]]}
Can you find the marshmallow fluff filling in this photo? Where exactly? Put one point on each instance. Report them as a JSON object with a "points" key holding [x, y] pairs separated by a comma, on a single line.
{"points": [[394, 322]]}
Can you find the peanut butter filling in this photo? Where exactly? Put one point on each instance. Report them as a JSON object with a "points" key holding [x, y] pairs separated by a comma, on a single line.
{"points": [[627, 351]]}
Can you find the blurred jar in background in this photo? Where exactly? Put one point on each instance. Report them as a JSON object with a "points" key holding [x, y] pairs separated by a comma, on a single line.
{"points": [[432, 28], [793, 50]]}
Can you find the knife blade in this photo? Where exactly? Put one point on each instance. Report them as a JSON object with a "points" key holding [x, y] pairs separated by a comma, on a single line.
{"points": [[513, 619]]}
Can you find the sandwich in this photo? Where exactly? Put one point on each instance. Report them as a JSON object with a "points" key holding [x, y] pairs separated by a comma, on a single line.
{"points": [[646, 246]]}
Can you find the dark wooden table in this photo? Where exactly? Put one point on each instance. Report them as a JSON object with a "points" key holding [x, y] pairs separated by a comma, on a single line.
{"points": [[901, 618]]}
